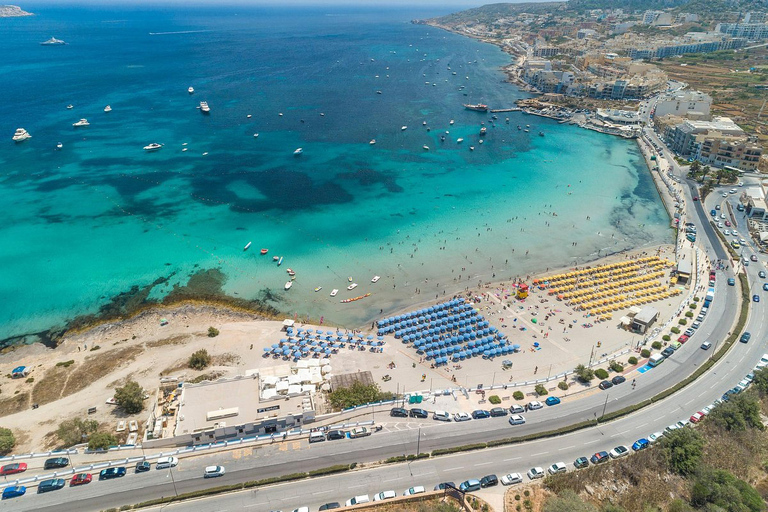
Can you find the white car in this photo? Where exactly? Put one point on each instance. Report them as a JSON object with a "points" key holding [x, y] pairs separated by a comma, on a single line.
{"points": [[462, 416], [166, 462], [683, 423], [363, 498], [706, 410], [532, 406], [516, 419], [301, 509], [441, 416], [213, 471], [386, 495], [511, 478], [418, 489], [655, 437], [744, 384], [722, 216], [734, 232], [727, 232], [618, 452], [359, 432], [557, 467], [516, 409], [535, 473], [725, 194], [720, 224], [671, 428]]}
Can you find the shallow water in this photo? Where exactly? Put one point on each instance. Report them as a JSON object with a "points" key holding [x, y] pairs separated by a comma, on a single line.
{"points": [[87, 222]]}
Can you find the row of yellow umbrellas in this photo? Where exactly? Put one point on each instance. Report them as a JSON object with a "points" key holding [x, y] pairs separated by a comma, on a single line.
{"points": [[618, 265]]}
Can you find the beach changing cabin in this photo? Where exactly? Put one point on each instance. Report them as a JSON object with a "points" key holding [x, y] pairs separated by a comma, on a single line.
{"points": [[19, 372]]}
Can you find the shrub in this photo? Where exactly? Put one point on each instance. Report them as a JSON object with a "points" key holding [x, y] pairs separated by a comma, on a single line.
{"points": [[518, 395], [666, 337], [75, 431], [601, 374], [30, 380], [682, 321], [357, 394], [66, 364], [540, 389], [632, 360], [7, 441], [739, 413], [584, 374], [494, 399], [656, 345], [682, 450], [199, 360], [562, 385], [101, 441], [213, 332], [689, 314], [696, 299], [95, 347], [616, 366], [645, 353], [692, 305], [130, 397], [724, 491], [675, 330]]}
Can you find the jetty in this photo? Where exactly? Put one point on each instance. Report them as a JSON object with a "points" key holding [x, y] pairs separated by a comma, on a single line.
{"points": [[512, 109]]}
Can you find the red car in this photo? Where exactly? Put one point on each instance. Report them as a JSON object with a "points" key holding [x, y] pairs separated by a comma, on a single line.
{"points": [[683, 338], [697, 417], [727, 224], [81, 479], [695, 198], [12, 469]]}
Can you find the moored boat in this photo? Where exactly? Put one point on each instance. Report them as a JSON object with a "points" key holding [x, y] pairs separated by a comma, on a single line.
{"points": [[108, 108], [478, 107], [290, 272], [288, 285], [191, 90], [459, 140], [483, 130], [318, 288], [204, 108], [82, 122], [264, 251], [352, 286], [373, 141], [334, 292], [375, 279], [280, 261], [152, 147], [247, 246], [403, 128], [298, 151], [21, 135]]}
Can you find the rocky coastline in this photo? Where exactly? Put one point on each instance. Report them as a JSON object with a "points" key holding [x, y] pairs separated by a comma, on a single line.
{"points": [[13, 11]]}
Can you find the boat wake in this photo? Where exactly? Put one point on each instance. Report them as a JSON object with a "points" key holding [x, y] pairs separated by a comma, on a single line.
{"points": [[178, 32]]}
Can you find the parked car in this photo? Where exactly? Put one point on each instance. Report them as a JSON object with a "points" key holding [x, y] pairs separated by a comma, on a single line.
{"points": [[12, 469], [581, 462], [619, 451], [516, 419], [470, 485], [489, 481], [552, 400], [166, 463], [444, 485], [80, 479], [417, 489], [535, 473], [683, 338], [511, 478], [516, 409], [534, 405], [697, 417], [330, 506], [655, 437], [363, 498], [557, 467], [109, 473], [398, 412], [441, 416], [498, 411], [641, 444], [668, 351], [14, 491], [618, 380], [53, 484], [599, 458], [213, 471], [689, 332], [56, 462], [461, 416], [480, 414], [142, 466], [606, 384], [384, 495], [418, 413], [334, 435], [745, 337], [706, 345], [364, 432]]}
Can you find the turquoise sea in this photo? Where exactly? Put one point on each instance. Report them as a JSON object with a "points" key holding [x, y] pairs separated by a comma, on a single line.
{"points": [[101, 215]]}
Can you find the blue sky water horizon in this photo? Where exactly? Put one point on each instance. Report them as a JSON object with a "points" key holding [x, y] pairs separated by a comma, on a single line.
{"points": [[416, 4]]}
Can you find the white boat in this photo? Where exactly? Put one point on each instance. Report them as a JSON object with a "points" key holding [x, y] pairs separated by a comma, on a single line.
{"points": [[451, 121], [59, 145], [352, 286], [375, 279], [191, 90], [248, 116], [204, 108], [334, 292], [426, 148], [21, 135], [152, 147], [247, 246], [82, 122], [255, 135], [288, 285], [423, 123], [459, 140], [318, 288], [52, 42], [108, 109], [403, 128], [373, 141], [298, 151], [70, 107], [471, 148]]}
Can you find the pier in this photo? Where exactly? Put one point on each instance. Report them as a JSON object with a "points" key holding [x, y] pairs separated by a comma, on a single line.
{"points": [[513, 109]]}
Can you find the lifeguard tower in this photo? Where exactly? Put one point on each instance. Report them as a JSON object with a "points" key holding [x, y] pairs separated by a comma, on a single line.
{"points": [[522, 291]]}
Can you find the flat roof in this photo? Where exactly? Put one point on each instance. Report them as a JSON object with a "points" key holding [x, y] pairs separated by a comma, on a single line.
{"points": [[198, 400], [684, 267], [646, 315]]}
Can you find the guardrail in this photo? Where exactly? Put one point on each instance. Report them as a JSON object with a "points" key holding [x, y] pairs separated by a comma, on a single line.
{"points": [[58, 453]]}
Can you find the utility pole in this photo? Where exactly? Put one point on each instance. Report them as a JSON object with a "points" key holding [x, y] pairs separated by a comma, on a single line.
{"points": [[605, 404]]}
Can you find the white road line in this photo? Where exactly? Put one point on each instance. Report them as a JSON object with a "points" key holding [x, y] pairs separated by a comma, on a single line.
{"points": [[484, 463], [566, 448], [325, 492], [357, 486], [389, 480], [641, 426], [592, 442], [513, 458], [453, 469], [537, 454]]}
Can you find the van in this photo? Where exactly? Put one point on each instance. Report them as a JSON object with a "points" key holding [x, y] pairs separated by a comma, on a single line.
{"points": [[166, 462], [357, 500], [316, 437], [656, 359]]}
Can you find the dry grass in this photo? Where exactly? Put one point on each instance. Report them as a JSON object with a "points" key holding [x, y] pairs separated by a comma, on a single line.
{"points": [[173, 340], [226, 359], [49, 388], [99, 366], [741, 453], [14, 404], [178, 366], [516, 500]]}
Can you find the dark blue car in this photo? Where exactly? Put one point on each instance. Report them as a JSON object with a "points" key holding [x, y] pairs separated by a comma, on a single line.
{"points": [[641, 444], [14, 491], [552, 400], [480, 414], [109, 473]]}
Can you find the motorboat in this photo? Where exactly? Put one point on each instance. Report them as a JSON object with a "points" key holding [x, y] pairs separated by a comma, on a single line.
{"points": [[298, 151], [191, 90], [451, 123], [423, 123], [349, 279], [290, 272], [459, 140], [247, 246], [255, 135], [263, 251], [480, 141], [352, 286], [526, 130], [59, 145], [318, 288], [70, 107], [403, 128], [204, 108], [479, 107], [82, 122], [288, 285], [426, 148], [471, 148], [108, 109], [541, 134], [152, 147], [373, 141], [21, 135], [483, 130], [375, 279], [334, 292], [378, 92], [53, 42]]}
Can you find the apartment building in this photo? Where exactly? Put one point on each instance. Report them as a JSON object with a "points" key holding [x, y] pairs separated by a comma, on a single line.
{"points": [[719, 150], [694, 104], [750, 31], [682, 138]]}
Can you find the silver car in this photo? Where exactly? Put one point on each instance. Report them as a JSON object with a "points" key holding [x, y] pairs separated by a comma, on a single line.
{"points": [[516, 419]]}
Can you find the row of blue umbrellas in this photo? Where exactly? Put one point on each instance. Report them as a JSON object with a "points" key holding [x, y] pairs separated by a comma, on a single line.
{"points": [[432, 310], [303, 343]]}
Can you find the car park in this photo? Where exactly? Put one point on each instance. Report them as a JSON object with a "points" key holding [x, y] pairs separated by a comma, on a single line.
{"points": [[706, 345], [668, 351], [619, 451], [516, 419], [53, 484], [470, 485], [109, 473], [12, 469], [166, 463], [441, 416], [557, 467], [534, 405], [80, 479], [581, 462], [417, 489], [14, 491], [461, 416], [56, 462], [384, 495], [398, 412], [745, 337], [335, 435], [606, 384], [363, 498], [516, 409], [552, 400], [498, 411], [535, 473], [444, 485], [480, 414], [213, 471], [142, 466], [641, 444], [418, 413], [697, 417], [330, 506], [619, 379], [364, 432], [599, 458], [489, 481], [511, 478]]}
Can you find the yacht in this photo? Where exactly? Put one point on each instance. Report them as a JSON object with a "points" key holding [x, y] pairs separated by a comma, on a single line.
{"points": [[191, 90], [459, 140], [334, 292], [298, 151], [152, 147], [204, 108], [288, 285], [21, 135], [403, 128], [426, 148], [479, 107], [375, 279], [107, 109], [373, 141], [52, 41], [82, 122], [70, 107], [352, 286]]}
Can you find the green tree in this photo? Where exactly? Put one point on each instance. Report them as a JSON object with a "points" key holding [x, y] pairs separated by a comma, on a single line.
{"points": [[616, 366], [7, 441], [75, 431], [130, 397], [720, 488], [678, 505], [518, 395], [742, 411], [357, 394], [682, 450], [760, 382], [568, 501], [213, 332], [540, 390], [101, 441], [199, 360], [584, 374]]}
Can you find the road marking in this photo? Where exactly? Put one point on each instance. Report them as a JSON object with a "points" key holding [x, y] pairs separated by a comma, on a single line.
{"points": [[484, 463], [459, 467], [592, 442], [641, 426], [513, 458], [537, 454], [325, 492], [357, 486], [567, 448], [389, 480]]}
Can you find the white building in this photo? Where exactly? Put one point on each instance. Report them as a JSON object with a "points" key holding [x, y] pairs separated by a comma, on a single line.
{"points": [[685, 104]]}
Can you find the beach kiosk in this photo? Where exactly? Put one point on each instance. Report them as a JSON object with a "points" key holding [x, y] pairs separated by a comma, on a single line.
{"points": [[522, 291], [19, 372]]}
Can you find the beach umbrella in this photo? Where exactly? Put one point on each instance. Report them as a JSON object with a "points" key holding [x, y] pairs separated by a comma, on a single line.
{"points": [[267, 349], [370, 337]]}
